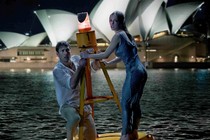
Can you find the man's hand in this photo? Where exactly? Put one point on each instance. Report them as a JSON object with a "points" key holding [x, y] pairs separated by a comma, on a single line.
{"points": [[82, 62], [77, 75], [95, 65]]}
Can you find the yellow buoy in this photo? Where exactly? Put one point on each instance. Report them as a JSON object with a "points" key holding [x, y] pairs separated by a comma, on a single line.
{"points": [[116, 136]]}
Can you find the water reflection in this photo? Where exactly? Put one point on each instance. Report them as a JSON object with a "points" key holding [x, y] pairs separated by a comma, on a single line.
{"points": [[175, 104]]}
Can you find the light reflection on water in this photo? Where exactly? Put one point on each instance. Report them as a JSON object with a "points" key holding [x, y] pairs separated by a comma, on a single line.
{"points": [[175, 104]]}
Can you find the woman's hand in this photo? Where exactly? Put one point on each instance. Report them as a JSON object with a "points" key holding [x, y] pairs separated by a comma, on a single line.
{"points": [[84, 54], [105, 62]]}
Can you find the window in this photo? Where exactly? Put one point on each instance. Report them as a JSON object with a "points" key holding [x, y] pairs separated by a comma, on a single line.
{"points": [[27, 52]]}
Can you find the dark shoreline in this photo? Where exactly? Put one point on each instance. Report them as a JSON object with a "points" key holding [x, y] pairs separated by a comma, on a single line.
{"points": [[150, 65], [183, 65]]}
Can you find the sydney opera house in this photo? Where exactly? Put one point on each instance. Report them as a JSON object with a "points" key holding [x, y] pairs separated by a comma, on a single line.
{"points": [[158, 30]]}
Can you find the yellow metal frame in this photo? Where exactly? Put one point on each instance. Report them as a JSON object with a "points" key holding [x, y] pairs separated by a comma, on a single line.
{"points": [[86, 79], [87, 40]]}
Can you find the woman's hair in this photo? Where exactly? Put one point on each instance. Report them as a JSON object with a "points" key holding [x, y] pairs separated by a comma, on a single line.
{"points": [[61, 43], [121, 22]]}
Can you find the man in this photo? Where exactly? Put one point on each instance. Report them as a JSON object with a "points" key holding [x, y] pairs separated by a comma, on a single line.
{"points": [[67, 74]]}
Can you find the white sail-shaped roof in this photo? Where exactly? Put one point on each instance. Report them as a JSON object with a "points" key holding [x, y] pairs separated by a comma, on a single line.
{"points": [[160, 23], [11, 39], [143, 17], [35, 40], [100, 15], [134, 27], [179, 13], [147, 17], [59, 25]]}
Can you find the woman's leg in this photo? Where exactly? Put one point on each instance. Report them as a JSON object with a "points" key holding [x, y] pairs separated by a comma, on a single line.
{"points": [[125, 104], [138, 80]]}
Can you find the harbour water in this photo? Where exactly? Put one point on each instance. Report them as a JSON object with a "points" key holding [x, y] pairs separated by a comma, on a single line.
{"points": [[175, 104]]}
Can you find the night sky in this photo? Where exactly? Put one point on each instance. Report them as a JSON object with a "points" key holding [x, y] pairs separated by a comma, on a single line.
{"points": [[17, 15]]}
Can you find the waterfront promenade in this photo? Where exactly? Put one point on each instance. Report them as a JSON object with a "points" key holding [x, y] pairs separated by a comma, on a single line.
{"points": [[50, 65]]}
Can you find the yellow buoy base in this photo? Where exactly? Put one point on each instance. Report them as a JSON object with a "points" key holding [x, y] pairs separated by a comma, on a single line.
{"points": [[116, 136]]}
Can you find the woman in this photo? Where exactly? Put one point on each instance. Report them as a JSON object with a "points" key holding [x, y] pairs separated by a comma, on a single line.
{"points": [[126, 50]]}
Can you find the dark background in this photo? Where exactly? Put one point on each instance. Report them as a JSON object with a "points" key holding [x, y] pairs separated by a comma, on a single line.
{"points": [[17, 15]]}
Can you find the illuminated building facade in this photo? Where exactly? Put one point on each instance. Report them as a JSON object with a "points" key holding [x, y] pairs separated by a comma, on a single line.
{"points": [[155, 27]]}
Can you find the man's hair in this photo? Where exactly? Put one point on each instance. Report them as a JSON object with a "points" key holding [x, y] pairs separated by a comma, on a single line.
{"points": [[61, 43]]}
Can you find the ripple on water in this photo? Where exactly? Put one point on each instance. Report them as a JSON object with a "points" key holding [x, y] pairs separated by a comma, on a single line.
{"points": [[175, 105]]}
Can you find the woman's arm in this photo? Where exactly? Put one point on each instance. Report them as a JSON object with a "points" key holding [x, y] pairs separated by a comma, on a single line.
{"points": [[113, 61], [113, 44]]}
